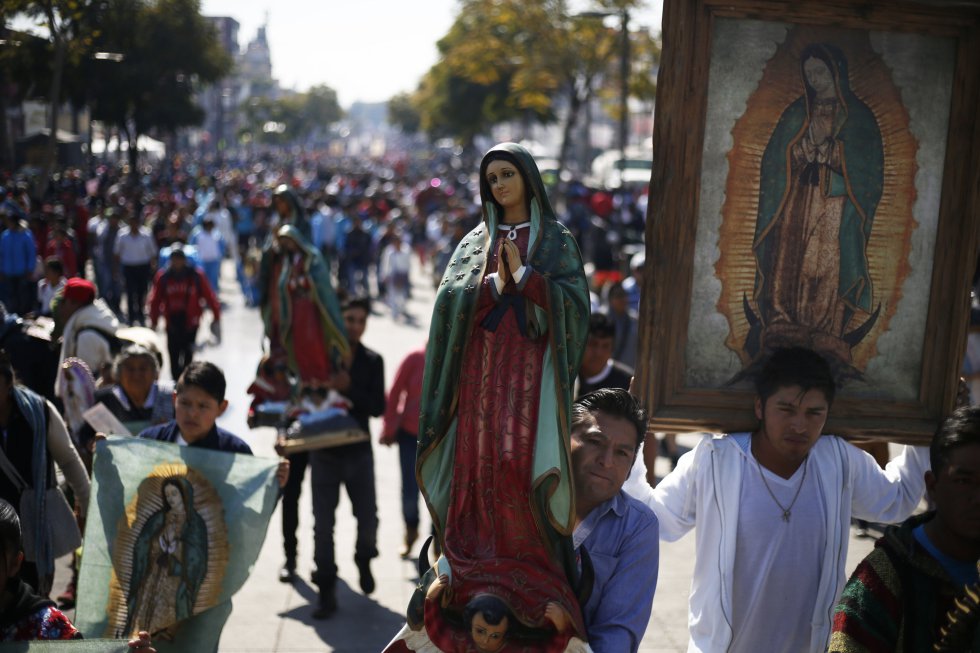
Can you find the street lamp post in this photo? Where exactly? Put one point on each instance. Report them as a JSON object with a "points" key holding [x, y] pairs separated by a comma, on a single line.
{"points": [[624, 74], [624, 90]]}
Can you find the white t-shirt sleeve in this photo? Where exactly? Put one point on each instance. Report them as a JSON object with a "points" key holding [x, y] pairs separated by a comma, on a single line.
{"points": [[887, 495], [675, 497]]}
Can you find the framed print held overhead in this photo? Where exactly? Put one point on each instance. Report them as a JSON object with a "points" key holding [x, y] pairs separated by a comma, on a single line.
{"points": [[816, 182]]}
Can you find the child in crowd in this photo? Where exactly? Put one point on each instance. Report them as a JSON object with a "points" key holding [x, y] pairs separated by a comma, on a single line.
{"points": [[52, 281], [199, 401], [25, 616], [271, 384]]}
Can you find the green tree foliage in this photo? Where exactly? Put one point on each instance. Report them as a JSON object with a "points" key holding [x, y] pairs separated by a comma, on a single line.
{"points": [[496, 64], [513, 59], [71, 28], [294, 118], [402, 113], [319, 108], [169, 52]]}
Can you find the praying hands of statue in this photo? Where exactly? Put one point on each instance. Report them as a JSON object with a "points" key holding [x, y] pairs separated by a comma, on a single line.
{"points": [[508, 260]]}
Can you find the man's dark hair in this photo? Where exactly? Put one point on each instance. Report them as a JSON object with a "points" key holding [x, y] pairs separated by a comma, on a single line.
{"points": [[204, 375], [615, 402], [795, 366], [361, 302], [600, 326], [492, 608], [10, 534], [54, 264], [960, 429]]}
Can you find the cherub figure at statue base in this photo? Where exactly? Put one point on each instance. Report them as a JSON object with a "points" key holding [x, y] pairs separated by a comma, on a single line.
{"points": [[487, 626]]}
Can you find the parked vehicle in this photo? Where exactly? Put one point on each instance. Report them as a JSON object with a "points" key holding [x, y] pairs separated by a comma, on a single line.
{"points": [[610, 171]]}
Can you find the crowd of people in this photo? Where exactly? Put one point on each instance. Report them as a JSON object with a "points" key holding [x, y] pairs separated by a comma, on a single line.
{"points": [[89, 269]]}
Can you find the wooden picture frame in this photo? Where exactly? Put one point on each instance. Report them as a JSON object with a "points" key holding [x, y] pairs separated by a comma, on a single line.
{"points": [[759, 165]]}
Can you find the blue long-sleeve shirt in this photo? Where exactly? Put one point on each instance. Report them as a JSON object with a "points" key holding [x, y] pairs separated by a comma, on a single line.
{"points": [[621, 537], [17, 252]]}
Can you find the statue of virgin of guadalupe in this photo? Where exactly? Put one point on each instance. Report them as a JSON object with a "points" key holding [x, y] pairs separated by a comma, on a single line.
{"points": [[290, 211], [311, 325], [508, 329]]}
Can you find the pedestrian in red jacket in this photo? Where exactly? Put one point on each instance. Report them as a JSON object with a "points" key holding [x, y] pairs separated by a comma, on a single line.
{"points": [[62, 247], [401, 426], [179, 293]]}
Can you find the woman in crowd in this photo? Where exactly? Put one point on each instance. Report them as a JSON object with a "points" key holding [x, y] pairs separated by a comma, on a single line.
{"points": [[138, 399], [32, 438], [25, 616]]}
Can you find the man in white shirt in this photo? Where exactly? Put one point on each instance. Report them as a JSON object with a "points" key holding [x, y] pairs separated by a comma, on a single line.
{"points": [[210, 250], [772, 512], [136, 253]]}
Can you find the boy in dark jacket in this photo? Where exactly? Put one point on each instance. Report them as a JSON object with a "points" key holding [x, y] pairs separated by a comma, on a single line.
{"points": [[898, 597]]}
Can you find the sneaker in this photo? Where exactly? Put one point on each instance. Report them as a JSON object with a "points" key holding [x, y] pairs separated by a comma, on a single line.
{"points": [[288, 572], [367, 580]]}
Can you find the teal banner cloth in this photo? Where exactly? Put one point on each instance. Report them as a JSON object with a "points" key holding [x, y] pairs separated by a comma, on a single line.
{"points": [[172, 533]]}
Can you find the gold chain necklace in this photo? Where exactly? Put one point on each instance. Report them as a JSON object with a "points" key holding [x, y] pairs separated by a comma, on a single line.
{"points": [[787, 511]]}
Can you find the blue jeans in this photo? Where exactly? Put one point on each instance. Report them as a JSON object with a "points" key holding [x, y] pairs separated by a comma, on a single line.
{"points": [[212, 270], [407, 448]]}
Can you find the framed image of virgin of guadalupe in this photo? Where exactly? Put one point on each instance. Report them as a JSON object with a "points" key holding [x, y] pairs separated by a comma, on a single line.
{"points": [[816, 183]]}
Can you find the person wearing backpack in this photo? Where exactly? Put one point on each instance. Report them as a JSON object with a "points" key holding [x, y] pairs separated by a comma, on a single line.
{"points": [[177, 294], [88, 327]]}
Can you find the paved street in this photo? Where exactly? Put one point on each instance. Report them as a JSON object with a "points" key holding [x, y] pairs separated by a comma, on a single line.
{"points": [[272, 617]]}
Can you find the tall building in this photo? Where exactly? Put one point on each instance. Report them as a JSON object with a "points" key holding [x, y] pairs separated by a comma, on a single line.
{"points": [[255, 68], [219, 101], [224, 102]]}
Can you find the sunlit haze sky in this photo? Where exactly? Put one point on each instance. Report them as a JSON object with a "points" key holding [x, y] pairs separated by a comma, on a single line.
{"points": [[366, 50]]}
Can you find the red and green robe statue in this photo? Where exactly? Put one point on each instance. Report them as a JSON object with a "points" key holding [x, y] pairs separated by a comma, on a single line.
{"points": [[494, 462], [270, 270], [309, 324]]}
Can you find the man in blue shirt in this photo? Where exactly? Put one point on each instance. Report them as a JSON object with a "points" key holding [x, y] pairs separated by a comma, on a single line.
{"points": [[17, 259], [619, 533]]}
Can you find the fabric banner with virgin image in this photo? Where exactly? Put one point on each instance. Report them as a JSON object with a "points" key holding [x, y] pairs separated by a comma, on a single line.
{"points": [[68, 646], [172, 533]]}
